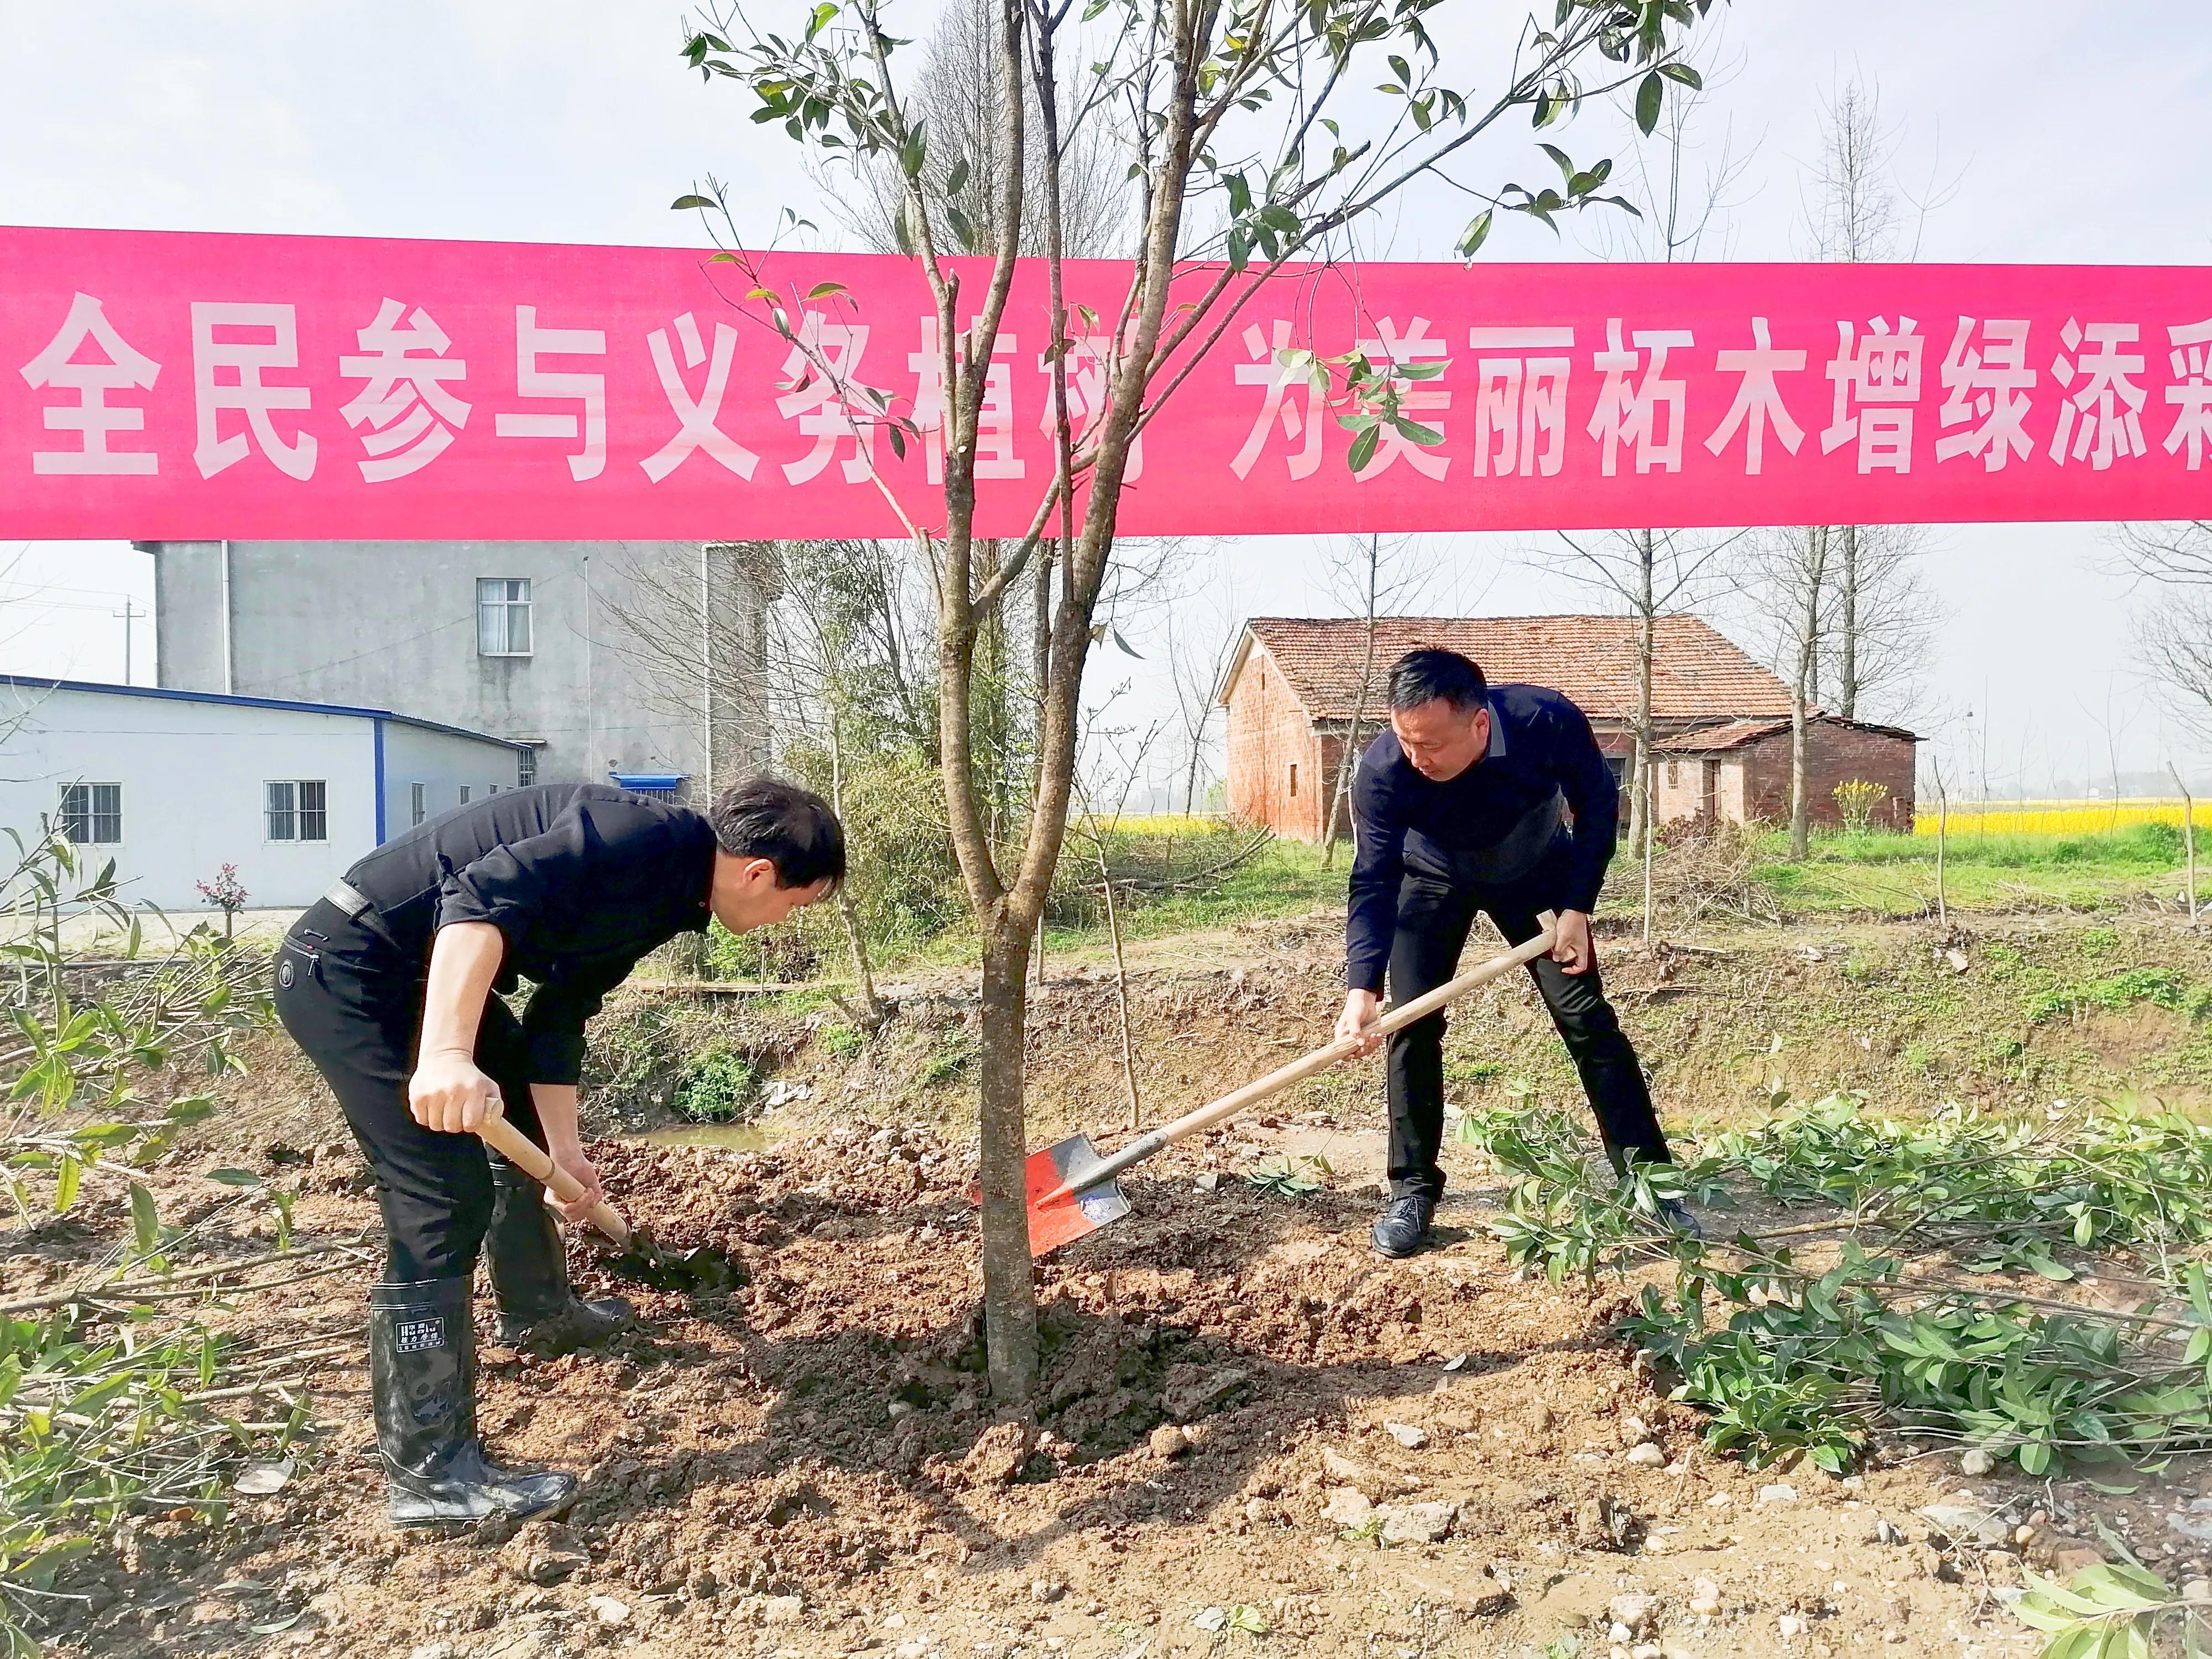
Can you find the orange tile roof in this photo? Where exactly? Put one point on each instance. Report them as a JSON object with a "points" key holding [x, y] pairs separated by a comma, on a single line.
{"points": [[1736, 734], [1698, 675], [1733, 735]]}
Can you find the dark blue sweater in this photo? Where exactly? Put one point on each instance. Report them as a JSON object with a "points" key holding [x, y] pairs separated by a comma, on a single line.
{"points": [[1541, 749]]}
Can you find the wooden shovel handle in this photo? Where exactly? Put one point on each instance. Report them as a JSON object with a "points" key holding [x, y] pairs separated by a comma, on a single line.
{"points": [[1305, 1066], [527, 1156], [1344, 1048]]}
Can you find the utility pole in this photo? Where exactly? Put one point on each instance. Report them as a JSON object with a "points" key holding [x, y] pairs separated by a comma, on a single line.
{"points": [[126, 616]]}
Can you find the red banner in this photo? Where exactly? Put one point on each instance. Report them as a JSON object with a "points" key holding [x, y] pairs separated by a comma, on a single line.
{"points": [[171, 385]]}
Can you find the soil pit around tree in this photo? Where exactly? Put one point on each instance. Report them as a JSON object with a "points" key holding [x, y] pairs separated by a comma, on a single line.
{"points": [[1247, 1422]]}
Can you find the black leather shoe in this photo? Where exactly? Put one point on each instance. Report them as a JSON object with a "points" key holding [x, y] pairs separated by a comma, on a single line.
{"points": [[529, 1268], [1403, 1226], [1680, 1218], [423, 1379]]}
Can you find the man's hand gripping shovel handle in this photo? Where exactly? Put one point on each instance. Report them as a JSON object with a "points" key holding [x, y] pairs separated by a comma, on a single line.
{"points": [[1319, 1061], [526, 1155]]}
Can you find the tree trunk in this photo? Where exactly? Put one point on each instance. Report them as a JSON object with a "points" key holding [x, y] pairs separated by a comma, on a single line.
{"points": [[1804, 686], [1350, 758], [1642, 793], [848, 913], [1847, 691], [1009, 1290]]}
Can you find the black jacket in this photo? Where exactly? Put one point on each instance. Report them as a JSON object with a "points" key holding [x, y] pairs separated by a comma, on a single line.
{"points": [[1491, 824], [581, 879]]}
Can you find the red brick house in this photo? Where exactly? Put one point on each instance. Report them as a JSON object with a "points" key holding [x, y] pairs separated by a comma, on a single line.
{"points": [[1722, 721]]}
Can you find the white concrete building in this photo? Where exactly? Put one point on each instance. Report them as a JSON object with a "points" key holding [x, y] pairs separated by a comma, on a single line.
{"points": [[173, 785]]}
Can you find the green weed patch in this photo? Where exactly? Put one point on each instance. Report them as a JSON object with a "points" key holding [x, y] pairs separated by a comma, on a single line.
{"points": [[1786, 1357]]}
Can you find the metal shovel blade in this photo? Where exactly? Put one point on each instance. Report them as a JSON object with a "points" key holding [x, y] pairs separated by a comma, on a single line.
{"points": [[1069, 1217]]}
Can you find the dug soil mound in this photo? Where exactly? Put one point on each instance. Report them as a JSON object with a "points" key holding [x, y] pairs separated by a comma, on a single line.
{"points": [[1248, 1424]]}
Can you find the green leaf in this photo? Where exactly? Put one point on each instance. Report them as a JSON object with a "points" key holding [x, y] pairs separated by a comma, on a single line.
{"points": [[1363, 448], [1648, 97], [824, 291], [65, 1186], [1683, 75], [144, 1223], [235, 1177], [1477, 232], [956, 178], [1413, 431], [682, 203]]}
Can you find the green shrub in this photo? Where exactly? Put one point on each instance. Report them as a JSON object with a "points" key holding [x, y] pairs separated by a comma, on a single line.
{"points": [[719, 1085]]}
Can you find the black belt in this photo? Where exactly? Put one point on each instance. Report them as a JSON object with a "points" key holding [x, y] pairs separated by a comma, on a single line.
{"points": [[344, 897]]}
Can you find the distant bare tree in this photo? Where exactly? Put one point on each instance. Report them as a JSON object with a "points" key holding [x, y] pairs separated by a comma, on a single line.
{"points": [[1683, 201], [956, 97], [1887, 622], [1371, 577], [2172, 638], [1792, 573], [1199, 648], [1649, 573], [1852, 216]]}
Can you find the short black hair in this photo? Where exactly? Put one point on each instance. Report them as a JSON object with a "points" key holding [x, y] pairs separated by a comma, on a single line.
{"points": [[1425, 676], [792, 828]]}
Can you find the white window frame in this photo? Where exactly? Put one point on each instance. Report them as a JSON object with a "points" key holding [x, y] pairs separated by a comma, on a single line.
{"points": [[503, 599], [294, 812], [466, 794], [418, 803], [91, 815]]}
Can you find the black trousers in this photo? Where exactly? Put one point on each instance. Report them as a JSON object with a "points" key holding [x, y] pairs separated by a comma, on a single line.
{"points": [[354, 1004], [1434, 919]]}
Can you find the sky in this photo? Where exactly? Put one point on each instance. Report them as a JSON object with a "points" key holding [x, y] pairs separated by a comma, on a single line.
{"points": [[572, 120]]}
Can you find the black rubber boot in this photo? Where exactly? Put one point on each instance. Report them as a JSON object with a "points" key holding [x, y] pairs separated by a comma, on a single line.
{"points": [[422, 1377], [530, 1275]]}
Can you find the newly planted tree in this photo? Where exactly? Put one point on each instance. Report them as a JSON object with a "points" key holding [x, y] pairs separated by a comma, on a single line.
{"points": [[1259, 133]]}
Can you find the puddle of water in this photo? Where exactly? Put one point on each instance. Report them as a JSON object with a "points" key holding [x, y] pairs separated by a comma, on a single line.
{"points": [[730, 1137]]}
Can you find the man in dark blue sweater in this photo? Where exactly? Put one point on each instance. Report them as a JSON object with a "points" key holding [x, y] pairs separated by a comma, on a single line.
{"points": [[1457, 809]]}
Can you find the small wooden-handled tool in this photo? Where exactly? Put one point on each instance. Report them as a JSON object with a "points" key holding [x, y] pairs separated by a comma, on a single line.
{"points": [[1071, 1189], [702, 1269], [527, 1156]]}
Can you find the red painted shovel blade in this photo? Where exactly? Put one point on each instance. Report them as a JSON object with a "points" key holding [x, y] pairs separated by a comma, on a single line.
{"points": [[1067, 1220]]}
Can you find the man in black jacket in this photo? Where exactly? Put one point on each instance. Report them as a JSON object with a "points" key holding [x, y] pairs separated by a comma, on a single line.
{"points": [[387, 981], [1456, 809]]}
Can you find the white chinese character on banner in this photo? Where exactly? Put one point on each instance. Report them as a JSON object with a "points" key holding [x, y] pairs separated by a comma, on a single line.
{"points": [[1877, 379], [531, 342], [246, 359], [995, 422], [1519, 400], [93, 417], [696, 418], [1088, 356], [1647, 413], [2191, 394], [1292, 401], [2104, 418], [1987, 389], [1420, 401], [411, 416], [820, 401], [1758, 399]]}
